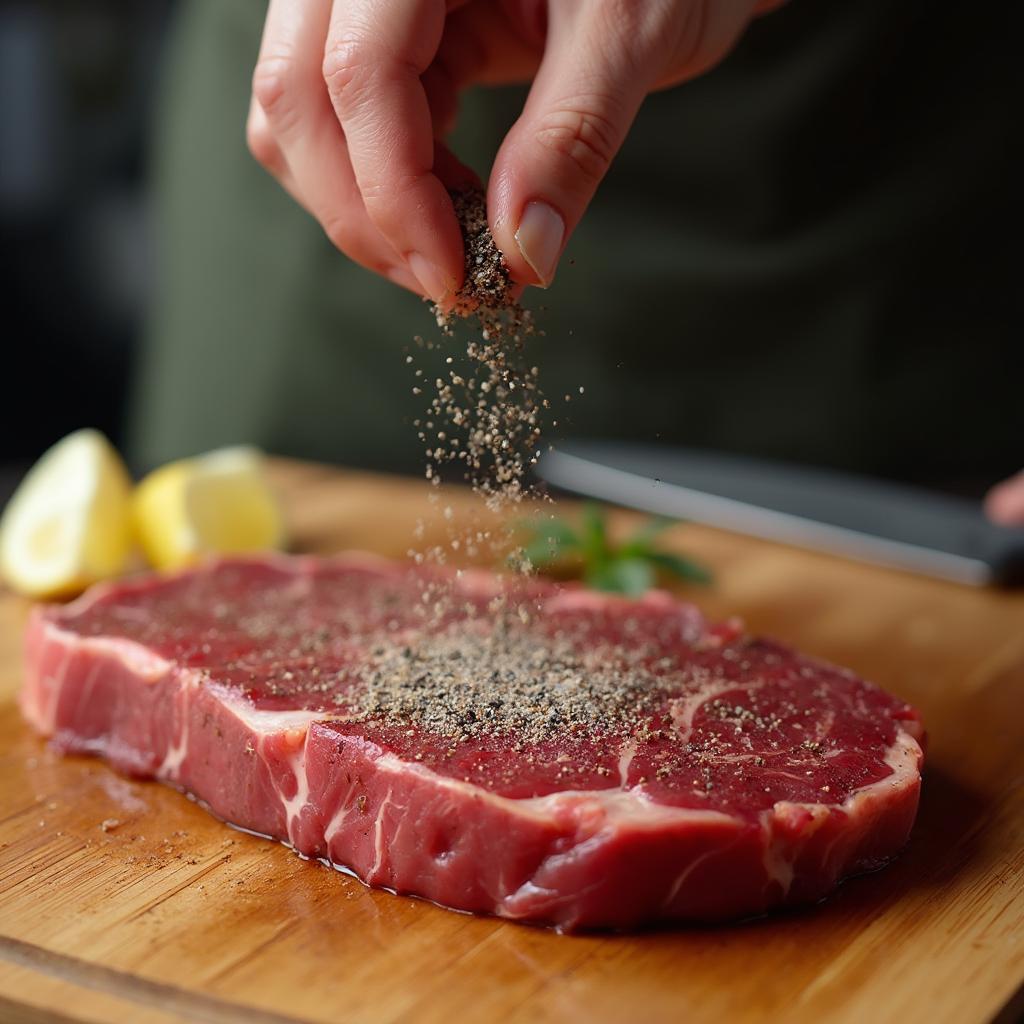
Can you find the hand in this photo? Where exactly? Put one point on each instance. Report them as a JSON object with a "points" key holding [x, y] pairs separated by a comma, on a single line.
{"points": [[1005, 502], [351, 98]]}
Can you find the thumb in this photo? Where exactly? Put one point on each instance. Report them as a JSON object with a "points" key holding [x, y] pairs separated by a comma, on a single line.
{"points": [[600, 60]]}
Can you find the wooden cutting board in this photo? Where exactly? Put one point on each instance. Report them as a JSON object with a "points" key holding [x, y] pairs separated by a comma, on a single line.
{"points": [[164, 914]]}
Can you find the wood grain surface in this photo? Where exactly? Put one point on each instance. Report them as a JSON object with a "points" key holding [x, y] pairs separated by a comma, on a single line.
{"points": [[170, 916]]}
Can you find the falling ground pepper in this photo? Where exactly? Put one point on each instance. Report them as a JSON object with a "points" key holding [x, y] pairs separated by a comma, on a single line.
{"points": [[486, 411]]}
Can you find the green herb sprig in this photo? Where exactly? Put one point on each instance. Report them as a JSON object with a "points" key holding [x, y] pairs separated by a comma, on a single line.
{"points": [[629, 568]]}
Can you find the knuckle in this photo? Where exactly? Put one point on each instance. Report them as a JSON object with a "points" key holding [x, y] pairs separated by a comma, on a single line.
{"points": [[580, 135], [633, 26], [701, 41], [347, 64], [272, 82], [627, 15]]}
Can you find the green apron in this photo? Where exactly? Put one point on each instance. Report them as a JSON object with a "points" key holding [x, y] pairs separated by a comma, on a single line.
{"points": [[800, 255]]}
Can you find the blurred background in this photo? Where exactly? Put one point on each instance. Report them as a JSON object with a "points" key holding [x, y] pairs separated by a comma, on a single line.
{"points": [[808, 254], [78, 83]]}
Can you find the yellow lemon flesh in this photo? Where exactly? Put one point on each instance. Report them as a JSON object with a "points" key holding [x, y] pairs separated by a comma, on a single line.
{"points": [[215, 504], [69, 522]]}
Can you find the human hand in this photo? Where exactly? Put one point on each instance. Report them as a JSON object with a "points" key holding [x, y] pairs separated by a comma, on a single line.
{"points": [[351, 98], [1004, 504]]}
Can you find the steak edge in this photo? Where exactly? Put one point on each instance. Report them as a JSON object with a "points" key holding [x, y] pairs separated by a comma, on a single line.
{"points": [[125, 673]]}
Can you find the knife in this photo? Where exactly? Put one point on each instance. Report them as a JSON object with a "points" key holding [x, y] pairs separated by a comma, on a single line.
{"points": [[825, 510]]}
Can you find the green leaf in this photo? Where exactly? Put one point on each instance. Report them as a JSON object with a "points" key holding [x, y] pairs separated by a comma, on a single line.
{"points": [[629, 576], [677, 565], [628, 569]]}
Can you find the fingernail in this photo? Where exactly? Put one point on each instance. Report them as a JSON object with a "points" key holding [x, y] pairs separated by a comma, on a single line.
{"points": [[539, 238], [431, 277]]}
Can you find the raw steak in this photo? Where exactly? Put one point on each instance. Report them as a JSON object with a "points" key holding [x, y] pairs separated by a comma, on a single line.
{"points": [[545, 754]]}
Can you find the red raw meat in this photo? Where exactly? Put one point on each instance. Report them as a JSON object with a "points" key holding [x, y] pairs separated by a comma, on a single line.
{"points": [[752, 777]]}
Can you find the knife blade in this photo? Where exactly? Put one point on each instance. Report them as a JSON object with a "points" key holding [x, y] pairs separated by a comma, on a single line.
{"points": [[824, 510]]}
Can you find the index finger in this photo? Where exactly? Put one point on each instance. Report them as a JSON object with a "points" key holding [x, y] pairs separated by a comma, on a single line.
{"points": [[376, 51]]}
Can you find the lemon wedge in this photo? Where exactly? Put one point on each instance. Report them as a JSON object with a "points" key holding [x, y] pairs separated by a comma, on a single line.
{"points": [[218, 503], [69, 522]]}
